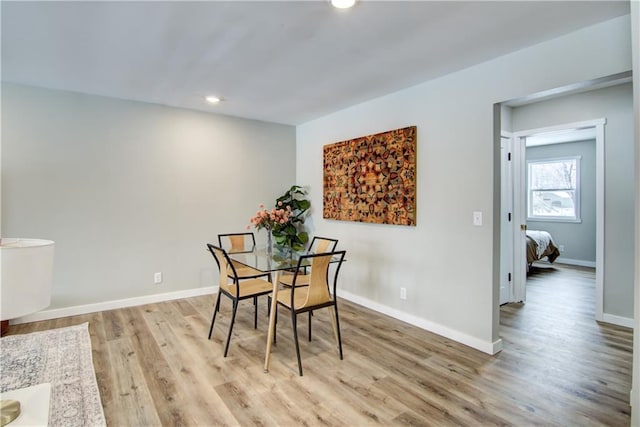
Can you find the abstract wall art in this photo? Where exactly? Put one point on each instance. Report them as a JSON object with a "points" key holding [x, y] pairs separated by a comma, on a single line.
{"points": [[372, 178]]}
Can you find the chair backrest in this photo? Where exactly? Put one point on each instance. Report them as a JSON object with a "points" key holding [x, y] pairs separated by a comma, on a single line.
{"points": [[322, 244], [237, 242], [224, 265], [319, 291]]}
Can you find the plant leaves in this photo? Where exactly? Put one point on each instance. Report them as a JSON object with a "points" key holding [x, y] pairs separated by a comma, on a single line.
{"points": [[304, 204], [287, 234]]}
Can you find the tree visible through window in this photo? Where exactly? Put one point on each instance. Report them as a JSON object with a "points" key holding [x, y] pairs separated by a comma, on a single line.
{"points": [[553, 189]]}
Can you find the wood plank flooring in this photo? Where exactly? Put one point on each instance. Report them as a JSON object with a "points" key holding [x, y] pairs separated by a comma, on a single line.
{"points": [[155, 366]]}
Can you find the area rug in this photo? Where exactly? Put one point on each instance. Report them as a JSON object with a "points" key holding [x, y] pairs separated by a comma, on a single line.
{"points": [[61, 357]]}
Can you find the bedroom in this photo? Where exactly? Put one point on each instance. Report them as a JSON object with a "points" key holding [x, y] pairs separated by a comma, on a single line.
{"points": [[568, 217], [597, 236]]}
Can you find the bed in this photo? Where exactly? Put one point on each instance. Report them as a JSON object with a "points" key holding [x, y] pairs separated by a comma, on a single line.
{"points": [[539, 246]]}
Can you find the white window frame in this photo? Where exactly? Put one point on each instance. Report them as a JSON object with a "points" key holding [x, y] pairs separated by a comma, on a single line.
{"points": [[577, 217]]}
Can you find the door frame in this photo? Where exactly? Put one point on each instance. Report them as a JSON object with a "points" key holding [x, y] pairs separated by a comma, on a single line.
{"points": [[519, 202], [506, 216]]}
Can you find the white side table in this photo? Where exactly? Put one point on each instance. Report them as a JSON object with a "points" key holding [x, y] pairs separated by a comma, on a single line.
{"points": [[26, 275], [34, 405]]}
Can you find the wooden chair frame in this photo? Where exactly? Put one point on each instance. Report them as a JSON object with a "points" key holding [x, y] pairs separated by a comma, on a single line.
{"points": [[331, 246], [319, 294], [234, 240], [286, 279], [236, 291], [243, 272]]}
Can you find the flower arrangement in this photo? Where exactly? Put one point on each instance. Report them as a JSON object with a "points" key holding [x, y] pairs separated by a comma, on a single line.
{"points": [[269, 219], [286, 219]]}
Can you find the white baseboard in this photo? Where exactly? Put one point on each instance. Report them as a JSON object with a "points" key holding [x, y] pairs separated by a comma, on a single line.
{"points": [[484, 346], [110, 305], [617, 320], [577, 262]]}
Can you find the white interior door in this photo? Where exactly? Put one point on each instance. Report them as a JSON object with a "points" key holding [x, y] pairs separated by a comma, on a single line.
{"points": [[518, 225], [506, 221]]}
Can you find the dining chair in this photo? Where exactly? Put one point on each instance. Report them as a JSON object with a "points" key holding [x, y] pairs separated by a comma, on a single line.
{"points": [[236, 290], [241, 242], [318, 245], [318, 294]]}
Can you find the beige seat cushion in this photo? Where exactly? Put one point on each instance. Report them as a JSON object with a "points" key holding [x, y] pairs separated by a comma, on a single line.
{"points": [[303, 280], [244, 271], [249, 287], [284, 297]]}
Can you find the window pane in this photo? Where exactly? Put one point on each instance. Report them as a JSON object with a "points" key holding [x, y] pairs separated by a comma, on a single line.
{"points": [[553, 204], [556, 175]]}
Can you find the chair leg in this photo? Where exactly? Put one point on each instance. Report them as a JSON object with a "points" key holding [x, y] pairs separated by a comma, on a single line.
{"points": [[310, 314], [332, 317], [337, 329], [295, 339], [233, 319], [215, 310], [255, 312]]}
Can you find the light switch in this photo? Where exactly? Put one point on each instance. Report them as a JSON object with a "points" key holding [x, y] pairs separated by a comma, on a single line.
{"points": [[477, 218]]}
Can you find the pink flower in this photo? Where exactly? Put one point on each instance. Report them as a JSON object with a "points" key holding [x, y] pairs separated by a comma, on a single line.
{"points": [[268, 218]]}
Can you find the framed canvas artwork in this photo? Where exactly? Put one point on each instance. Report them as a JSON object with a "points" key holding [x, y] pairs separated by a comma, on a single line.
{"points": [[372, 178]]}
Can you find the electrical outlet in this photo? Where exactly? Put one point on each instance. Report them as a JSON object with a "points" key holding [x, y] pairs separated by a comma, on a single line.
{"points": [[561, 247], [477, 218], [157, 278], [403, 293]]}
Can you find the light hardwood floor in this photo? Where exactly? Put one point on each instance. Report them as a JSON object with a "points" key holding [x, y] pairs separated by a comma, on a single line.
{"points": [[155, 366]]}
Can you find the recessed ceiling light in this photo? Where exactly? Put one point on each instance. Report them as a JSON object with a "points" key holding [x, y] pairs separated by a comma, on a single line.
{"points": [[213, 99], [343, 4]]}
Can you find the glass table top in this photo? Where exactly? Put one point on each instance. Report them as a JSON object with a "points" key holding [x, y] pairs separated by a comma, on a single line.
{"points": [[279, 259]]}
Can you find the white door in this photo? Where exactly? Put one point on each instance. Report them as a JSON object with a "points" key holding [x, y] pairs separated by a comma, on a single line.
{"points": [[506, 222], [518, 225]]}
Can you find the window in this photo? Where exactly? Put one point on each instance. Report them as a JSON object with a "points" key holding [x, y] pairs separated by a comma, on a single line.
{"points": [[553, 188]]}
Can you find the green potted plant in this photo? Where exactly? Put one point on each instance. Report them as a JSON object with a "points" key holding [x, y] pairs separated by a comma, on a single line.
{"points": [[291, 234]]}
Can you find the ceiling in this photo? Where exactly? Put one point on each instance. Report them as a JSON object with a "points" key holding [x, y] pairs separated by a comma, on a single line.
{"points": [[285, 62]]}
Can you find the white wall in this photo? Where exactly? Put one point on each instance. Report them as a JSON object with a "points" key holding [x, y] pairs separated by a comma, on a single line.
{"points": [[445, 262], [126, 189], [616, 105]]}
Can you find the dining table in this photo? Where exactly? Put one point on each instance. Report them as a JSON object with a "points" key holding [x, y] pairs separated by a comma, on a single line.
{"points": [[274, 261]]}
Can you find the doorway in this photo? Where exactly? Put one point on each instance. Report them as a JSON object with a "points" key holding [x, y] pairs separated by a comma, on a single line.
{"points": [[593, 129], [614, 302]]}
